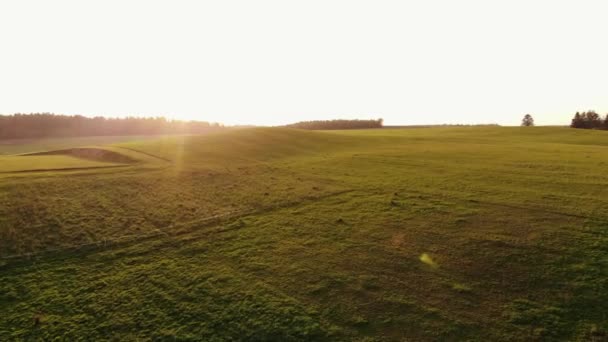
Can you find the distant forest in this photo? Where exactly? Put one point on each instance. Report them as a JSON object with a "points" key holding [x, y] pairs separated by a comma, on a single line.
{"points": [[337, 124], [589, 120], [41, 125], [443, 125]]}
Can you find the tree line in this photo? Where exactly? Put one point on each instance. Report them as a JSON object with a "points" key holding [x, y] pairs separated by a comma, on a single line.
{"points": [[589, 120], [336, 124], [40, 125], [585, 120]]}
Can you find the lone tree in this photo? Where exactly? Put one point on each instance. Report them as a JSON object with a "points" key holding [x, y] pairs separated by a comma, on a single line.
{"points": [[527, 121]]}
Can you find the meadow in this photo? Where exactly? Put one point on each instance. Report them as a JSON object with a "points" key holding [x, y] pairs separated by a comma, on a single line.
{"points": [[445, 233]]}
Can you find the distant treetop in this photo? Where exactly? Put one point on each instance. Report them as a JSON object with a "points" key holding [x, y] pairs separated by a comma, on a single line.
{"points": [[589, 120], [40, 125], [337, 124], [527, 121]]}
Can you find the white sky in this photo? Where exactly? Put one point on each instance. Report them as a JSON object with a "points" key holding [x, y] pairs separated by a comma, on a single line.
{"points": [[275, 62]]}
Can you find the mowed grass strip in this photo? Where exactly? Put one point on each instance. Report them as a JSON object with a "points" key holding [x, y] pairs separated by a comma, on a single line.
{"points": [[41, 163], [21, 146]]}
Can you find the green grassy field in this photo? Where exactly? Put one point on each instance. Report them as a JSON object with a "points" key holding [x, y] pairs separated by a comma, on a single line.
{"points": [[20, 146], [470, 233]]}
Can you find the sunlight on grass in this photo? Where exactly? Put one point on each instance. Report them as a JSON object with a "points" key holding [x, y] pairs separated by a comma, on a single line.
{"points": [[461, 287], [179, 155], [425, 258]]}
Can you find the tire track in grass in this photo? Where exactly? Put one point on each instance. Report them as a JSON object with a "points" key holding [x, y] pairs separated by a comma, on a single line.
{"points": [[187, 228], [490, 203], [184, 228]]}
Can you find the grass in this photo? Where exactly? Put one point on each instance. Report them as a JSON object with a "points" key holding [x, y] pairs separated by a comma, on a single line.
{"points": [[12, 164], [20, 146], [275, 234]]}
